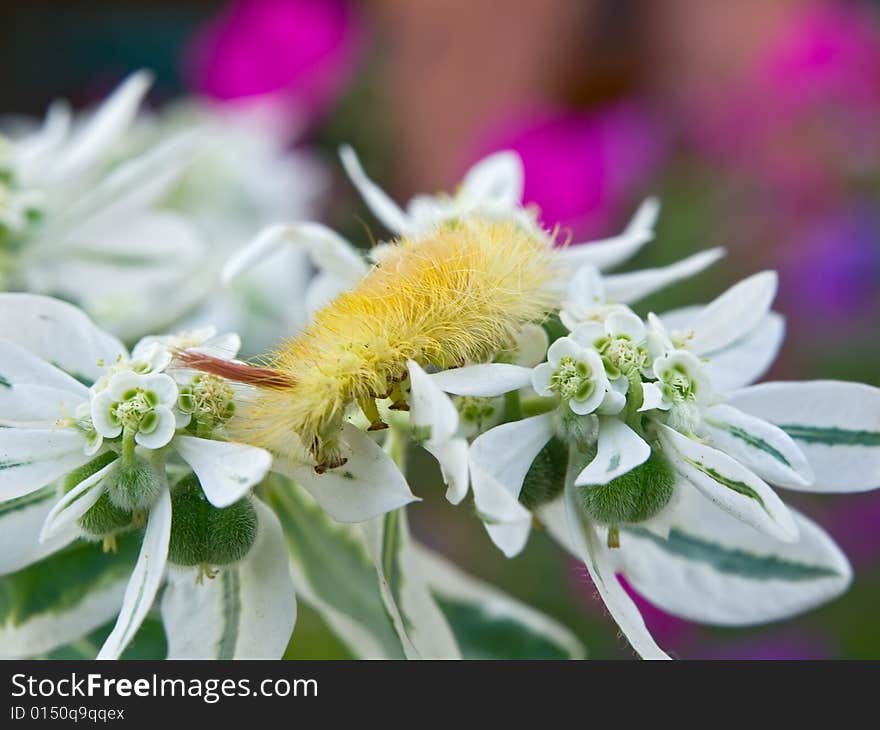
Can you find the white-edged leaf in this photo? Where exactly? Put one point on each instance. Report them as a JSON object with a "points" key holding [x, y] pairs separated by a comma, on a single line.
{"points": [[729, 484], [713, 569], [570, 527], [420, 625], [836, 425], [334, 572], [20, 523], [489, 624], [30, 458], [145, 579], [59, 333], [63, 596], [766, 449], [247, 611]]}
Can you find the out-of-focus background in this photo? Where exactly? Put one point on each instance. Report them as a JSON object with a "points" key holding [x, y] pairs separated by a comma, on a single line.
{"points": [[757, 123]]}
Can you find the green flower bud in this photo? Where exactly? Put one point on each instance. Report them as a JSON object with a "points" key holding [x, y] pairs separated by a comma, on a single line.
{"points": [[633, 497], [202, 534], [134, 486], [577, 429], [104, 518], [86, 470], [546, 477]]}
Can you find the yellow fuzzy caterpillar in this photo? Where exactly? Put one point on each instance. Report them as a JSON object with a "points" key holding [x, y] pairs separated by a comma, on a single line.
{"points": [[455, 295]]}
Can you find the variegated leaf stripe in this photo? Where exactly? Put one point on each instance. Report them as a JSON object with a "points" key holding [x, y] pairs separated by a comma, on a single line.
{"points": [[732, 561], [832, 436], [751, 439]]}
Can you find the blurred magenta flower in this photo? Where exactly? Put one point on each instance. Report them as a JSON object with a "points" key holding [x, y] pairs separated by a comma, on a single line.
{"points": [[830, 276], [778, 645], [300, 51], [583, 168], [804, 117]]}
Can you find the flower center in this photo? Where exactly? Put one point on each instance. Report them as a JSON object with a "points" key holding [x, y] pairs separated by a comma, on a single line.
{"points": [[209, 399], [572, 379], [135, 410], [678, 386], [621, 356]]}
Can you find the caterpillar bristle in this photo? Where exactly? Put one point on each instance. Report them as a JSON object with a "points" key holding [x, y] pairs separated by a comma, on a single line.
{"points": [[239, 372]]}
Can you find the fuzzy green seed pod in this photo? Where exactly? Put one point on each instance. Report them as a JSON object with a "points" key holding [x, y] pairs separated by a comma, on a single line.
{"points": [[86, 470], [633, 497], [577, 429], [134, 486], [203, 534], [104, 518], [546, 477]]}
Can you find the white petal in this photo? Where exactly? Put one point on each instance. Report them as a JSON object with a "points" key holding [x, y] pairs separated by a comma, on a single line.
{"points": [[495, 180], [99, 410], [145, 579], [499, 461], [729, 485], [637, 285], [734, 314], [163, 433], [542, 377], [610, 252], [226, 470], [531, 345], [587, 333], [58, 333], [766, 449], [369, 484], [486, 381], [328, 250], [20, 523], [652, 397], [377, 200], [95, 139], [620, 450], [73, 505], [570, 527], [431, 410], [835, 424], [36, 405], [31, 458], [563, 347], [452, 456], [19, 366], [714, 569], [163, 386], [627, 324], [248, 611], [510, 537], [743, 362]]}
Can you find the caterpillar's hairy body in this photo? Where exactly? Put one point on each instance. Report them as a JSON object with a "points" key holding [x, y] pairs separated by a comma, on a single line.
{"points": [[456, 295]]}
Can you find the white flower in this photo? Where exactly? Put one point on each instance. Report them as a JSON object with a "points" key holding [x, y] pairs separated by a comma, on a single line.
{"points": [[87, 227], [140, 403], [575, 374], [49, 355]]}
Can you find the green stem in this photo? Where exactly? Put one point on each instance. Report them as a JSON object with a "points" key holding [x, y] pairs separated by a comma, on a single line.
{"points": [[128, 444], [512, 407]]}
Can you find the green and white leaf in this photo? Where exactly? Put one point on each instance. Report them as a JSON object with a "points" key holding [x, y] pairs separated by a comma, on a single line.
{"points": [[20, 523], [63, 597], [422, 627], [334, 571], [247, 611], [573, 530], [835, 424], [489, 624], [729, 484], [716, 570]]}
